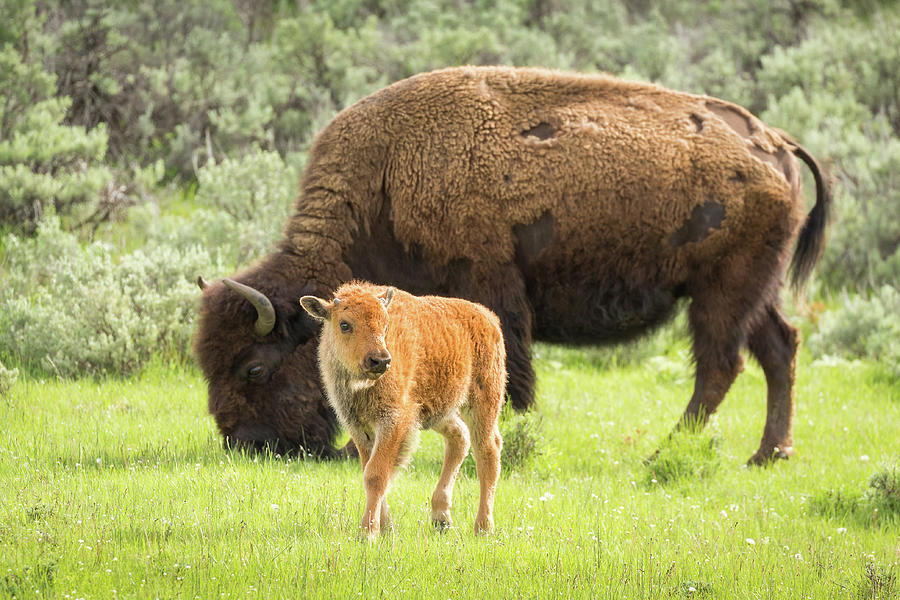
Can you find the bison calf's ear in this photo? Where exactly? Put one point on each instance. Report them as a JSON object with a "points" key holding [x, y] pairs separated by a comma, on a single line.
{"points": [[317, 307], [386, 296]]}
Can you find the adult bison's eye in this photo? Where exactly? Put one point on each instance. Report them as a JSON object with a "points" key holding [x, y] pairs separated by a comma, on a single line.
{"points": [[255, 372], [345, 327]]}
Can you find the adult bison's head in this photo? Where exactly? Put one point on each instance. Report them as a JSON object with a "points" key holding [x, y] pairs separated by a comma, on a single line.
{"points": [[257, 350]]}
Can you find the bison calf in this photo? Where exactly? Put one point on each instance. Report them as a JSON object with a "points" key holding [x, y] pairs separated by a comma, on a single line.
{"points": [[392, 364]]}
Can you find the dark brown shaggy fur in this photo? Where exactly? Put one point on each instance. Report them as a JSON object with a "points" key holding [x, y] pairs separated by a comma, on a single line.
{"points": [[578, 208]]}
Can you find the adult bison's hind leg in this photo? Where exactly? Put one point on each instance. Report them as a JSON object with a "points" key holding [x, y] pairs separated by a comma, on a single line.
{"points": [[736, 305], [722, 308], [773, 342], [717, 343]]}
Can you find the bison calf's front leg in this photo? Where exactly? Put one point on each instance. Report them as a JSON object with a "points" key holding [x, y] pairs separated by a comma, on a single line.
{"points": [[376, 487], [377, 474], [364, 448]]}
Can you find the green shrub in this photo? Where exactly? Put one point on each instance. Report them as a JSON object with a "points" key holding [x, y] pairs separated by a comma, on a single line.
{"points": [[7, 378], [44, 164], [836, 92], [242, 203], [877, 504], [70, 309], [174, 80], [523, 438], [862, 327], [687, 455], [883, 492], [877, 581]]}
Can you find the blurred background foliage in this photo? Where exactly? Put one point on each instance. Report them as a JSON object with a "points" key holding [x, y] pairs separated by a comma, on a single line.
{"points": [[144, 142]]}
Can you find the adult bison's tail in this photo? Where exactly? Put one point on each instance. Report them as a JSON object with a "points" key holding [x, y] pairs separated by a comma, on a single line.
{"points": [[811, 240]]}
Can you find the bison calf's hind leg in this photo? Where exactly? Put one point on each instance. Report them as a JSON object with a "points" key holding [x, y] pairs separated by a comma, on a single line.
{"points": [[456, 438], [487, 463], [773, 342], [486, 400]]}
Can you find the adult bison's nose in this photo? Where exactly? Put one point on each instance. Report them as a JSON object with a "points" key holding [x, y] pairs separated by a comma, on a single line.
{"points": [[377, 364], [256, 436]]}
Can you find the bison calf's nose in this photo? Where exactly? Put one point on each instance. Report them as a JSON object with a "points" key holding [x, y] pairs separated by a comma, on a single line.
{"points": [[377, 364]]}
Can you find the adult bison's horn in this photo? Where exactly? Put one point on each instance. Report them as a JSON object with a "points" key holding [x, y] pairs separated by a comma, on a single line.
{"points": [[265, 322], [201, 283]]}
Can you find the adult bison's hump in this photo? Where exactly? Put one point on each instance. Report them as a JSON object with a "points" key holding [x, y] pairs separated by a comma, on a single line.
{"points": [[500, 149]]}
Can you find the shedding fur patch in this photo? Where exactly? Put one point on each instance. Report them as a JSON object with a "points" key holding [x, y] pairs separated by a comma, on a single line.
{"points": [[531, 239], [703, 220], [541, 131], [780, 160], [698, 122], [741, 123]]}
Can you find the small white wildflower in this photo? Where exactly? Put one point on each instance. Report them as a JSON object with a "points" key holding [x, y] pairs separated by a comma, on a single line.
{"points": [[798, 556], [723, 514], [842, 530], [692, 589], [750, 541], [864, 458], [274, 507]]}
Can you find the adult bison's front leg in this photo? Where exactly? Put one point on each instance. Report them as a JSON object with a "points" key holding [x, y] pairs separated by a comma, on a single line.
{"points": [[502, 289]]}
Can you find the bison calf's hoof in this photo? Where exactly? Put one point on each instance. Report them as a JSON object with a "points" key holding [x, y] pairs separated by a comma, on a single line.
{"points": [[441, 521], [484, 526], [365, 535]]}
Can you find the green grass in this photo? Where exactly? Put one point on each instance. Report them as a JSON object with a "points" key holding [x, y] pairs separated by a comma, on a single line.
{"points": [[121, 489]]}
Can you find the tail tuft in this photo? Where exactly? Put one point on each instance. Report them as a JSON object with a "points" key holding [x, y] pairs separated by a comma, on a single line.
{"points": [[811, 240]]}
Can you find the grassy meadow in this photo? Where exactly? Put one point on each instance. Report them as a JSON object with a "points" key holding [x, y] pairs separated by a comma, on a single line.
{"points": [[120, 488]]}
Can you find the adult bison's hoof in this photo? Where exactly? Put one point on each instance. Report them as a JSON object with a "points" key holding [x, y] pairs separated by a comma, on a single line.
{"points": [[763, 458]]}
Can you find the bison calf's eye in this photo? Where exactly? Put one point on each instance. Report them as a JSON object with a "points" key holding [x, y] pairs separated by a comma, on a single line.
{"points": [[345, 327]]}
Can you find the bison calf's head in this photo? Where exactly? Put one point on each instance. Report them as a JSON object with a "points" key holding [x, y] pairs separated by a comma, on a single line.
{"points": [[354, 328]]}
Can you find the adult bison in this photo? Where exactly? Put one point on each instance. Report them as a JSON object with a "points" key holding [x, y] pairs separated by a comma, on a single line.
{"points": [[579, 208]]}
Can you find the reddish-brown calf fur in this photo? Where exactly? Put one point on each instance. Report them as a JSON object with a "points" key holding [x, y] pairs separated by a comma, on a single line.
{"points": [[392, 364]]}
